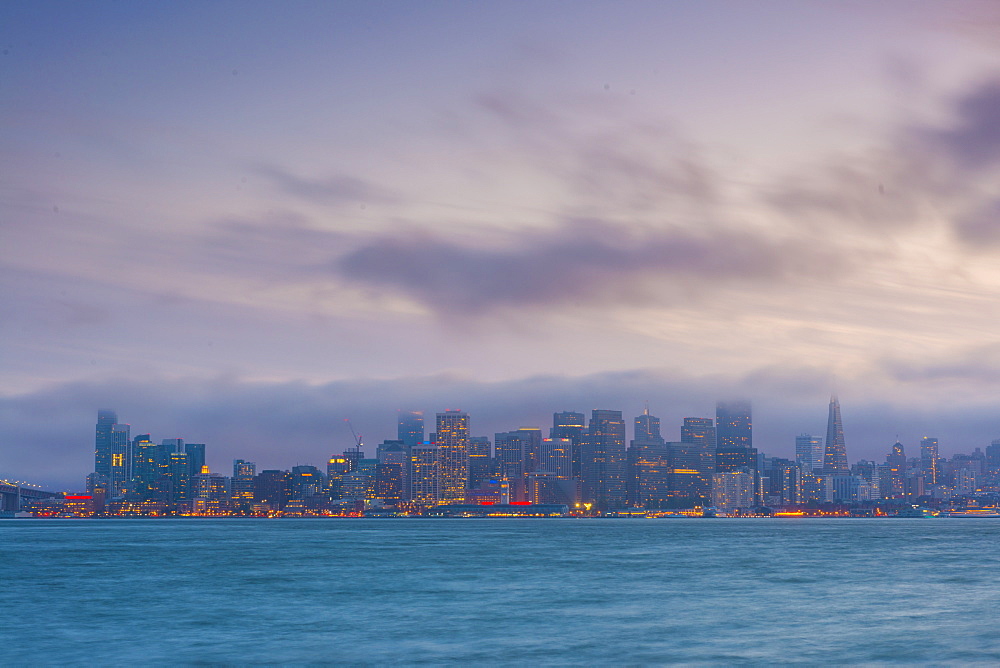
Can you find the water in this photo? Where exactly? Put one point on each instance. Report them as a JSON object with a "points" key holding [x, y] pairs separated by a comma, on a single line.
{"points": [[499, 591]]}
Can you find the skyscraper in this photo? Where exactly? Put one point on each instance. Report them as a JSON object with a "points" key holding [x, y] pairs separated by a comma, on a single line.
{"points": [[835, 454], [929, 459], [410, 427], [480, 460], [734, 438], [603, 459], [733, 426], [196, 455], [106, 419], [453, 454], [646, 464], [242, 484], [809, 452], [571, 425], [121, 461], [896, 463], [698, 437]]}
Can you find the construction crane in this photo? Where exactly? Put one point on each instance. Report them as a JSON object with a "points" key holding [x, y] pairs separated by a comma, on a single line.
{"points": [[357, 442]]}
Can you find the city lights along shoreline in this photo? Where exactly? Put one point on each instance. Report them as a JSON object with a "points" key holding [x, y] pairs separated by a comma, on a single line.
{"points": [[581, 468]]}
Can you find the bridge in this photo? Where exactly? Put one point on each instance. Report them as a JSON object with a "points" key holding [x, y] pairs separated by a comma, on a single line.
{"points": [[12, 494]]}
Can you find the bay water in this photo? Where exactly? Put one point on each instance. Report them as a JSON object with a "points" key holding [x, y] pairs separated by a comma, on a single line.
{"points": [[499, 591]]}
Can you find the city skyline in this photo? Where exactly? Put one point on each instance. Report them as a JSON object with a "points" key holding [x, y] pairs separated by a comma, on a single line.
{"points": [[249, 222]]}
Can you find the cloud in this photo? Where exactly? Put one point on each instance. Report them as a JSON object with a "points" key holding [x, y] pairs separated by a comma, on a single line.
{"points": [[586, 260], [973, 140], [47, 436], [339, 189]]}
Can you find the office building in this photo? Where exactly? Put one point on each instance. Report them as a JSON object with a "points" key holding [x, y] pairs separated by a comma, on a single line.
{"points": [[106, 419], [571, 425], [242, 483], [603, 460], [835, 451], [453, 455], [929, 461], [646, 464], [809, 452], [480, 460], [734, 490], [425, 474], [697, 452], [410, 427]]}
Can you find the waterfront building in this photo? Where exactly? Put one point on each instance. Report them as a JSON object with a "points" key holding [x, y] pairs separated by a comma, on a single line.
{"points": [[305, 481], [271, 488], [211, 492], [835, 451], [817, 487], [242, 483], [733, 490], [603, 460], [453, 455]]}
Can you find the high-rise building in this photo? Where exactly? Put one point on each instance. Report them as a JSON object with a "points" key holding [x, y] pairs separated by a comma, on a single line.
{"points": [[453, 441], [646, 464], [480, 460], [733, 490], [147, 458], [242, 483], [835, 452], [179, 476], [517, 451], [392, 454], [603, 460], [733, 426], [410, 427], [305, 481], [571, 425], [929, 460], [698, 437], [121, 461], [271, 487], [106, 419], [336, 468], [556, 457], [896, 462], [809, 452], [196, 454], [425, 476]]}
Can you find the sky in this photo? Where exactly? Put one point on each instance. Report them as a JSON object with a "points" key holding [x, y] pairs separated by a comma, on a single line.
{"points": [[241, 223]]}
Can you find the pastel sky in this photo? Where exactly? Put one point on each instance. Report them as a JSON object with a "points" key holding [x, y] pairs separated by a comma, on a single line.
{"points": [[241, 222]]}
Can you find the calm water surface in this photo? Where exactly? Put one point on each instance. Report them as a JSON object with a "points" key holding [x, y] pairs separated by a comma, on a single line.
{"points": [[499, 591]]}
